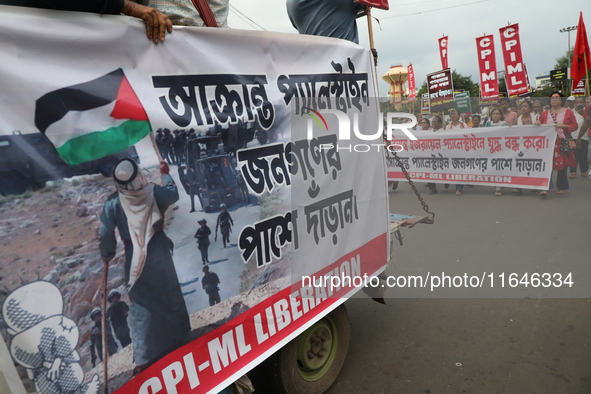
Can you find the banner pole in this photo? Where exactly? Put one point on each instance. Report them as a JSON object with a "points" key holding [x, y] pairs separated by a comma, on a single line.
{"points": [[370, 29], [587, 75], [104, 328]]}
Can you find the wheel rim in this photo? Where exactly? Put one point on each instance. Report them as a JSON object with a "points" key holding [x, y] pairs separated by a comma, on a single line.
{"points": [[317, 349]]}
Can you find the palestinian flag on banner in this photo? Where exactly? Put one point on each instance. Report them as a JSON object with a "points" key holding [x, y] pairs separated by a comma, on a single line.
{"points": [[93, 119]]}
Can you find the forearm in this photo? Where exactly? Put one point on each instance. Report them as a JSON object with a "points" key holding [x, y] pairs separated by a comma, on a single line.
{"points": [[584, 127]]}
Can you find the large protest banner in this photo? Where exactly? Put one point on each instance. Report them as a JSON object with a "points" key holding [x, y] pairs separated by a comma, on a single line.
{"points": [[73, 104], [519, 156], [441, 90]]}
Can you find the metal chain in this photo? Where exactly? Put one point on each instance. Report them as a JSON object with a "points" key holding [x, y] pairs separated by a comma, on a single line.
{"points": [[387, 145]]}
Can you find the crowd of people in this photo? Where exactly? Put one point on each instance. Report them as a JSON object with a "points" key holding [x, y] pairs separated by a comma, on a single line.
{"points": [[173, 146], [570, 116]]}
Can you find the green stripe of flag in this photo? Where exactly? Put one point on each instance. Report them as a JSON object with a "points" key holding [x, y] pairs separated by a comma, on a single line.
{"points": [[98, 144]]}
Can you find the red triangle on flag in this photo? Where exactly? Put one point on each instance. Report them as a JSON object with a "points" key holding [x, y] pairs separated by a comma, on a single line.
{"points": [[128, 106]]}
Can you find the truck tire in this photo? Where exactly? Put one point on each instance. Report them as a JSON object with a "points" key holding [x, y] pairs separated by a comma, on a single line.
{"points": [[13, 183], [311, 363]]}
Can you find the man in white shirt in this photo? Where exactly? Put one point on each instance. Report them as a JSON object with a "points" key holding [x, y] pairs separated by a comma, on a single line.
{"points": [[581, 152]]}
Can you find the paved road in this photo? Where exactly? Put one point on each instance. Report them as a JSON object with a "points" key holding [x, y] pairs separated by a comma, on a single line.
{"points": [[474, 344], [225, 262]]}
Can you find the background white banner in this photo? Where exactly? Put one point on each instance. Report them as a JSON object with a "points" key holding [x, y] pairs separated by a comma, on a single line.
{"points": [[519, 156]]}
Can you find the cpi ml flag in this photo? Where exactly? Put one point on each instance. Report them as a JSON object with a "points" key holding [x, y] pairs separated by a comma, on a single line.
{"points": [[93, 119], [443, 52], [515, 73], [489, 83], [412, 86]]}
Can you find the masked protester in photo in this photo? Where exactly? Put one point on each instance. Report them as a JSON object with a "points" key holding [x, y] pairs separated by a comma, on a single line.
{"points": [[158, 316]]}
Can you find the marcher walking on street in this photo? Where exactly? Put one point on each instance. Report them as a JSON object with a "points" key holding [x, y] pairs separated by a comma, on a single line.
{"points": [[564, 122], [210, 284], [225, 224], [202, 235], [117, 313]]}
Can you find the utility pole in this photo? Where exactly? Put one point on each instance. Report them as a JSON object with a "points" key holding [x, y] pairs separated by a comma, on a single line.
{"points": [[568, 30]]}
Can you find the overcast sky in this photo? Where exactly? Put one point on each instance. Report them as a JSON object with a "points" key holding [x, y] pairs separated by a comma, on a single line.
{"points": [[410, 30]]}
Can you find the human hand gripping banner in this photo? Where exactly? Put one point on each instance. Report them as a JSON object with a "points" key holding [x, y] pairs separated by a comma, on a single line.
{"points": [[517, 156], [207, 251]]}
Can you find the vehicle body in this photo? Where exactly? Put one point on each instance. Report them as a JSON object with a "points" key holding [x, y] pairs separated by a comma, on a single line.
{"points": [[28, 161], [216, 175]]}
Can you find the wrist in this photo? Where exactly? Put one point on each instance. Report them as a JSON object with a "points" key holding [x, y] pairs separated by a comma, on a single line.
{"points": [[132, 9]]}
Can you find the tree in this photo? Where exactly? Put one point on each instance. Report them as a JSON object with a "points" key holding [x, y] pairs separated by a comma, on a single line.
{"points": [[563, 61], [461, 82], [502, 85]]}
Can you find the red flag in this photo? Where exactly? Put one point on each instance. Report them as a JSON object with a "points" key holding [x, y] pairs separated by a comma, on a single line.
{"points": [[581, 56], [443, 52], [412, 87]]}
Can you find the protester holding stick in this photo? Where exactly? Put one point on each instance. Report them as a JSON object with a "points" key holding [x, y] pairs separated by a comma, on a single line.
{"points": [[159, 320]]}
